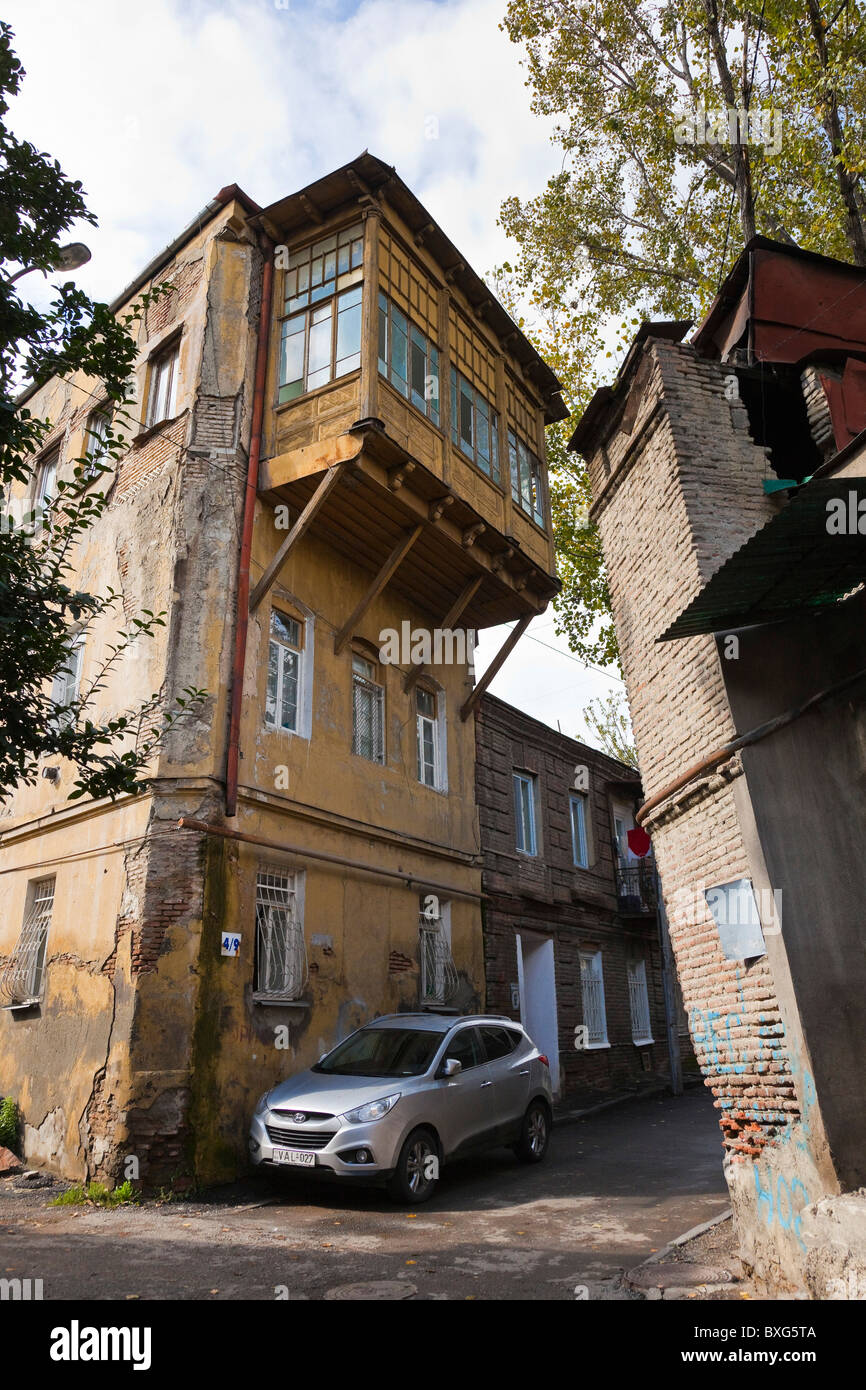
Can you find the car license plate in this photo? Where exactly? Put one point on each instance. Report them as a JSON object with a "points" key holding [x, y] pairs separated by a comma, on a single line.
{"points": [[302, 1158]]}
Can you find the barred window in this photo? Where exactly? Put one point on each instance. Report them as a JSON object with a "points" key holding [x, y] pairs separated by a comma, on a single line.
{"points": [[474, 425], [638, 998], [408, 359], [592, 990], [439, 979], [23, 976], [285, 654], [281, 955], [368, 712]]}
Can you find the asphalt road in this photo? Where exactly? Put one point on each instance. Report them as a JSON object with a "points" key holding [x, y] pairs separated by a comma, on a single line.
{"points": [[615, 1187]]}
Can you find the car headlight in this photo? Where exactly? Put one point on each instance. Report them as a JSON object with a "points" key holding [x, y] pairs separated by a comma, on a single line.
{"points": [[373, 1110], [262, 1104]]}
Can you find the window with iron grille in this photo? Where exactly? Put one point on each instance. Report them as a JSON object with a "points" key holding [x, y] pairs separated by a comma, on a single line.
{"points": [[285, 654], [638, 998], [474, 425], [408, 359], [321, 333], [281, 955], [592, 991], [162, 385], [526, 478], [23, 976], [368, 712], [427, 737], [439, 979]]}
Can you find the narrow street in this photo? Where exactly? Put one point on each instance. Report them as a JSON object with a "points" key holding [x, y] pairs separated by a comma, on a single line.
{"points": [[616, 1186]]}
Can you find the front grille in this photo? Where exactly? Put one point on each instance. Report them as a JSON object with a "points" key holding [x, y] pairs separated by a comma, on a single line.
{"points": [[299, 1138]]}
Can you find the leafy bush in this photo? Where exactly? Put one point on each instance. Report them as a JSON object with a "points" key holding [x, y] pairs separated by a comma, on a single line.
{"points": [[96, 1194], [9, 1123]]}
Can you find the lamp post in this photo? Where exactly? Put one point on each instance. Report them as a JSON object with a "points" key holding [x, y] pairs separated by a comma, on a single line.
{"points": [[69, 257]]}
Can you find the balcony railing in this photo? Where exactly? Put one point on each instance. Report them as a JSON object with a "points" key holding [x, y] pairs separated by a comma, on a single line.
{"points": [[636, 885]]}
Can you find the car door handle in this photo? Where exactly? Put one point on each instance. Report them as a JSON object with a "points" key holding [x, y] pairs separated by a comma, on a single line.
{"points": [[486, 1083], [523, 1073]]}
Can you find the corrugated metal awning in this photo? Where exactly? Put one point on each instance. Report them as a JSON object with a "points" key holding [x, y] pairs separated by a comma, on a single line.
{"points": [[793, 564]]}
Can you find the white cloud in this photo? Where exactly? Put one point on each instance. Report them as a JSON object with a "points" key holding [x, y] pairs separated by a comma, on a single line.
{"points": [[155, 107]]}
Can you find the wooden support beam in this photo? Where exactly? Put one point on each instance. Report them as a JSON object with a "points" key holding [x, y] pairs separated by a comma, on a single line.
{"points": [[447, 623], [310, 209], [437, 507], [328, 483], [499, 660], [400, 551], [471, 534], [397, 476]]}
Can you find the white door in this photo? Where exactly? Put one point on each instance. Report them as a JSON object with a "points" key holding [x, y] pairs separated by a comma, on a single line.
{"points": [[536, 974]]}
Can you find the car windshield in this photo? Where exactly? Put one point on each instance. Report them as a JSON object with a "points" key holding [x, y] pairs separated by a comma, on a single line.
{"points": [[382, 1052]]}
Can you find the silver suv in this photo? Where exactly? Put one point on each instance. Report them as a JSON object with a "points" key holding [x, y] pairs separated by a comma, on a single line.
{"points": [[405, 1094]]}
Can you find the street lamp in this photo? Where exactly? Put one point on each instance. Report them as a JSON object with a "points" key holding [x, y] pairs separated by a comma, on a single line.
{"points": [[69, 257]]}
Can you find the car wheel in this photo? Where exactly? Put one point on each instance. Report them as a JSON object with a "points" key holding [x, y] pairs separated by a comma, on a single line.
{"points": [[417, 1171], [535, 1135]]}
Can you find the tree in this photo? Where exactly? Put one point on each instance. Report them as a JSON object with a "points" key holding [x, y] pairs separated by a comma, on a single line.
{"points": [[43, 614], [610, 722], [684, 126]]}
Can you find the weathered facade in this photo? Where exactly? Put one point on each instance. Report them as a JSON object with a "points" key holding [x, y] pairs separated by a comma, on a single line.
{"points": [[341, 437], [571, 935], [740, 621]]}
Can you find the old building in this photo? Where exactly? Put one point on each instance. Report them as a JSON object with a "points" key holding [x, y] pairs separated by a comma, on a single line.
{"points": [[571, 936], [728, 473], [336, 473]]}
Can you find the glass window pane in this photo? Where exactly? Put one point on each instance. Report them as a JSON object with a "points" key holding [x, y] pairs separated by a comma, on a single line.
{"points": [[418, 368], [454, 405], [348, 331], [292, 359], [399, 351], [319, 363], [330, 265], [286, 629], [343, 259], [426, 703], [357, 252], [465, 418], [273, 679], [289, 709], [303, 277], [383, 335]]}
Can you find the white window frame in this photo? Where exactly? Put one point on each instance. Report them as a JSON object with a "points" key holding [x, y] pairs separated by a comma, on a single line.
{"points": [[579, 842], [66, 686], [22, 981], [47, 469], [364, 680], [592, 999], [639, 1005], [518, 781], [162, 394], [283, 646], [96, 428], [279, 908], [437, 725]]}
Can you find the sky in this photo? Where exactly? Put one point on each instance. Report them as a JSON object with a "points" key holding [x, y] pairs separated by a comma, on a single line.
{"points": [[155, 107]]}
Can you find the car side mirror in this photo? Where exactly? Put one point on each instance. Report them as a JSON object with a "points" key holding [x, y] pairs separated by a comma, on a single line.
{"points": [[451, 1067]]}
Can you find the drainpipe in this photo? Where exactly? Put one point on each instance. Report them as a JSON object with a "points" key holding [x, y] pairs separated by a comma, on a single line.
{"points": [[243, 587]]}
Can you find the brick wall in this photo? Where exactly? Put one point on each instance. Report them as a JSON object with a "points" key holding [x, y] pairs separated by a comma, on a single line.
{"points": [[549, 896]]}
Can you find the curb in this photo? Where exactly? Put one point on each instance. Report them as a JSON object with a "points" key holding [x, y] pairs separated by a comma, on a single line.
{"points": [[566, 1117], [695, 1231]]}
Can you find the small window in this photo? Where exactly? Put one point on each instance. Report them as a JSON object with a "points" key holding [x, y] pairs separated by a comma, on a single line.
{"points": [[281, 957], [498, 1042], [474, 425], [95, 448], [578, 831], [46, 478], [66, 687], [427, 737], [466, 1048], [285, 655], [22, 979], [526, 478], [592, 991], [368, 711], [638, 998], [162, 385], [524, 812], [408, 359]]}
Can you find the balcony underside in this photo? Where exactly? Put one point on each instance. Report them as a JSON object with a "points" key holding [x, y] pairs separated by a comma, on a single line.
{"points": [[380, 497]]}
